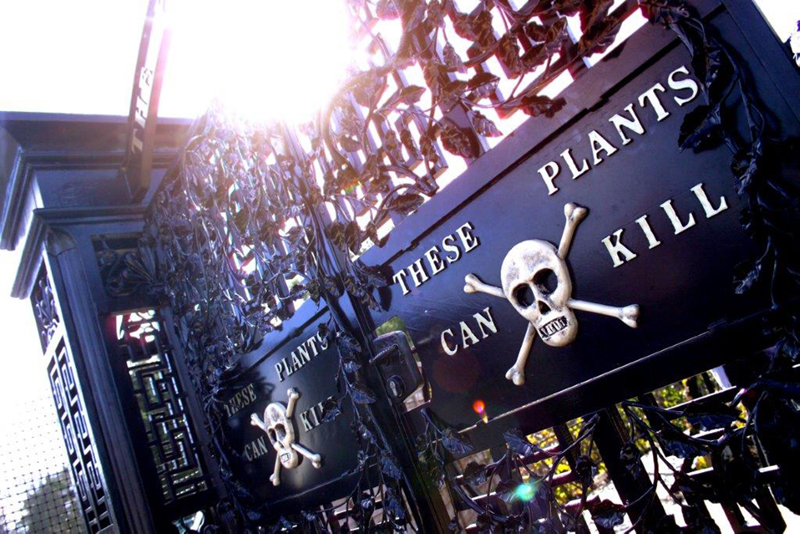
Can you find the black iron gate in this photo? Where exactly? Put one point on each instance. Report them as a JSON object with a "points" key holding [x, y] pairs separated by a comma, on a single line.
{"points": [[335, 328], [388, 399]]}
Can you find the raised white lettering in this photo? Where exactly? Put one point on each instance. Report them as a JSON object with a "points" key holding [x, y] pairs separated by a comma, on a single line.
{"points": [[576, 172], [448, 247], [686, 83], [633, 124], [709, 210], [436, 263], [599, 143], [652, 240], [399, 277], [467, 239], [487, 321], [651, 96], [675, 219], [549, 171], [619, 252], [446, 346], [467, 335], [418, 273]]}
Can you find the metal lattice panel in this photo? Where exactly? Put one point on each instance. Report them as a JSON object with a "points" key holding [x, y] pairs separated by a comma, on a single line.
{"points": [[161, 403], [80, 449]]}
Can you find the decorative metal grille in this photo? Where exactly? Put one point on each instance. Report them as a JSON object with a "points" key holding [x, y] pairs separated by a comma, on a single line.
{"points": [[80, 448], [697, 465], [161, 403], [71, 414]]}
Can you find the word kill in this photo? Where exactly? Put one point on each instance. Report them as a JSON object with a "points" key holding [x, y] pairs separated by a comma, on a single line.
{"points": [[621, 253]]}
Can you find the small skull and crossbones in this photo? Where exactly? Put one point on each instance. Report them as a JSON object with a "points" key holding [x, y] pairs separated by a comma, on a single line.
{"points": [[279, 426], [536, 281]]}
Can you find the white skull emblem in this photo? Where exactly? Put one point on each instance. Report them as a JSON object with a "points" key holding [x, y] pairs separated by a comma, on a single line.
{"points": [[279, 427], [537, 283], [281, 434]]}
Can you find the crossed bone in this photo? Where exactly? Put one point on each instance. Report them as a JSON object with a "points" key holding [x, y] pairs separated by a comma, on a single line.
{"points": [[628, 314], [255, 420]]}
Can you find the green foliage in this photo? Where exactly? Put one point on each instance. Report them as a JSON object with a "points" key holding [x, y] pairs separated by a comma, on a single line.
{"points": [[51, 507], [672, 395]]}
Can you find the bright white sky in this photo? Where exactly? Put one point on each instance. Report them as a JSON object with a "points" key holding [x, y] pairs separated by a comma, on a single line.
{"points": [[79, 56]]}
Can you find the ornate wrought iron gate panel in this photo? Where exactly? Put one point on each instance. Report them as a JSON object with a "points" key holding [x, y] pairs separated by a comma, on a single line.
{"points": [[540, 297]]}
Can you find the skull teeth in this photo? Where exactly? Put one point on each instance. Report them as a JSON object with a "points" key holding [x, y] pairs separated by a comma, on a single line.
{"points": [[553, 327]]}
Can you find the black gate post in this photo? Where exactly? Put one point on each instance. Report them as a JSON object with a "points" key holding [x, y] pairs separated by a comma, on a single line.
{"points": [[107, 449]]}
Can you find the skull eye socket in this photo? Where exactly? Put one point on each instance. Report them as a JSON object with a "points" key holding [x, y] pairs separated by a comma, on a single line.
{"points": [[281, 432], [523, 294], [546, 280]]}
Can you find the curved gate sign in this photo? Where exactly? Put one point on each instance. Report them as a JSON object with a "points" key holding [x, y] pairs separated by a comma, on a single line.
{"points": [[280, 442]]}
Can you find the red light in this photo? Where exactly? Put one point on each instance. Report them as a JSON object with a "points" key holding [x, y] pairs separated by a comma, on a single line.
{"points": [[479, 406]]}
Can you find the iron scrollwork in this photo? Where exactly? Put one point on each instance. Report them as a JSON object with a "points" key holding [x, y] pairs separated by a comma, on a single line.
{"points": [[44, 308], [126, 272], [230, 233], [238, 230]]}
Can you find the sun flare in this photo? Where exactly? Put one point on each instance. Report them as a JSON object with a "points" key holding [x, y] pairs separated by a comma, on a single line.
{"points": [[263, 60]]}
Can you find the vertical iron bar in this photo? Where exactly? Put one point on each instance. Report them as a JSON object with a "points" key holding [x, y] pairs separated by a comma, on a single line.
{"points": [[631, 485]]}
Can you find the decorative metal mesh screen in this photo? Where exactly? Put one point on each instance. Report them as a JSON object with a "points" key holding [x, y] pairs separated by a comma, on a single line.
{"points": [[36, 490]]}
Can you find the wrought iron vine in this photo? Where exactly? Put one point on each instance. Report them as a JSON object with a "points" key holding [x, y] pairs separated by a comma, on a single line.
{"points": [[128, 272], [237, 233], [203, 229]]}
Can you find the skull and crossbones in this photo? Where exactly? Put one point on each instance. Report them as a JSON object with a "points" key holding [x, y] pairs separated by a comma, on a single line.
{"points": [[279, 427], [536, 281]]}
